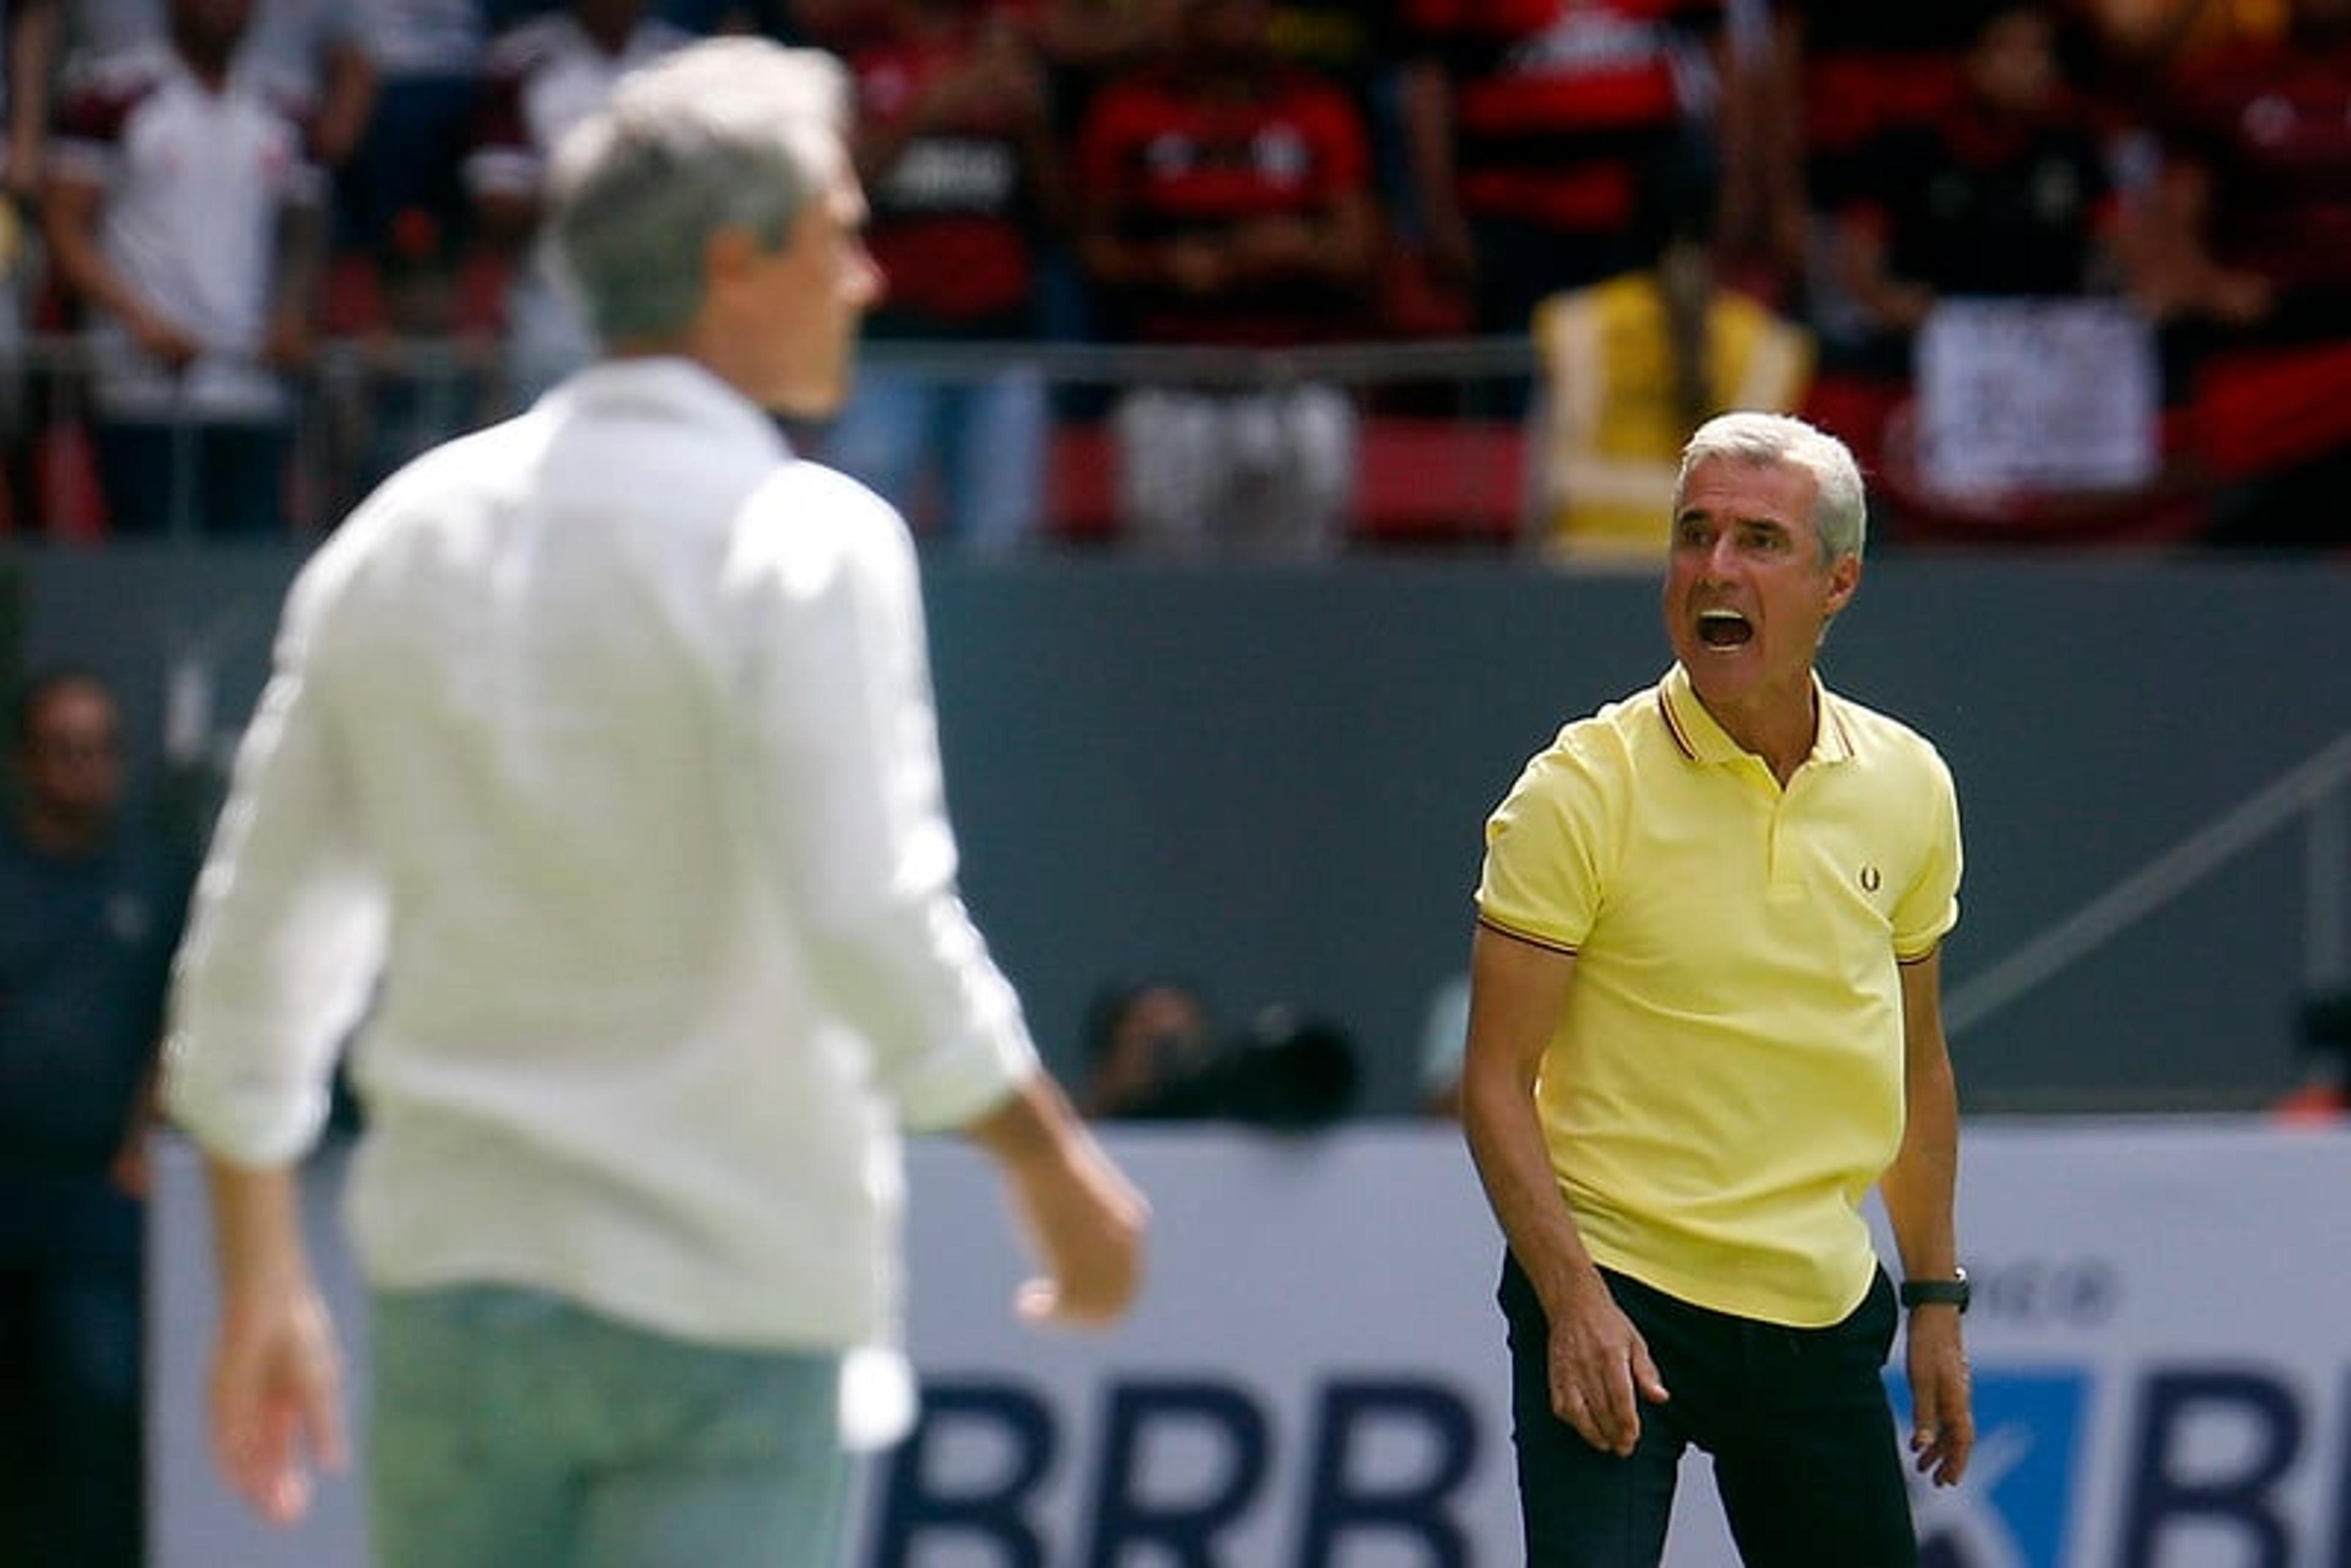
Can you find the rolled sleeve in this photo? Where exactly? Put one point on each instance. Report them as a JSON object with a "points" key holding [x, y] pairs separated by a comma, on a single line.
{"points": [[285, 935]]}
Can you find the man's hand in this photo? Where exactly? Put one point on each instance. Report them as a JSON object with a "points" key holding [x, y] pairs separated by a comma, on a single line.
{"points": [[163, 339], [1082, 1217], [288, 345], [1601, 1371], [1942, 1424], [1086, 1221], [277, 1400]]}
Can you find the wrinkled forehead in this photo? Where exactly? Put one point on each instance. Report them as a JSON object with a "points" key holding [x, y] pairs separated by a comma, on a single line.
{"points": [[1731, 484]]}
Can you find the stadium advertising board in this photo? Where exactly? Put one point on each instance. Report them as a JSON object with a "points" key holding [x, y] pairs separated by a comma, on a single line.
{"points": [[2162, 1369]]}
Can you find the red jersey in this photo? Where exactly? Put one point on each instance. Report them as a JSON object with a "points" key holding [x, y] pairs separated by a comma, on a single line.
{"points": [[955, 216], [1559, 105], [2272, 125], [1169, 162]]}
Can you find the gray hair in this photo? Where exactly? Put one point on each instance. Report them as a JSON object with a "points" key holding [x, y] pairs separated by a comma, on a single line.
{"points": [[727, 133], [1840, 506]]}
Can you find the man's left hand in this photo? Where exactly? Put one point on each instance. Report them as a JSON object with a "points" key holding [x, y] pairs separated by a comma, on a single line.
{"points": [[276, 1399], [1942, 1422]]}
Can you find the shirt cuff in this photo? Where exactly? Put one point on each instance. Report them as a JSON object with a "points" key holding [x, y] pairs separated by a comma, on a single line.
{"points": [[244, 1119]]}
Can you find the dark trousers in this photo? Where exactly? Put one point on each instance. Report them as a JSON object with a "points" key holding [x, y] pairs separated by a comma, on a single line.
{"points": [[209, 480], [1797, 1421], [70, 1373]]}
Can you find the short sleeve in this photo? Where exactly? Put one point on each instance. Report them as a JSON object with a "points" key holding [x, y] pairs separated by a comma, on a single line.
{"points": [[1930, 906], [1542, 876]]}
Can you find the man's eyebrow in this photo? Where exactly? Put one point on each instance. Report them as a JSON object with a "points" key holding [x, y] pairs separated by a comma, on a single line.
{"points": [[1753, 520]]}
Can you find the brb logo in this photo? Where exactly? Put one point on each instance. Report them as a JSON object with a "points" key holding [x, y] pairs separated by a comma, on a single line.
{"points": [[973, 1479], [2210, 1462]]}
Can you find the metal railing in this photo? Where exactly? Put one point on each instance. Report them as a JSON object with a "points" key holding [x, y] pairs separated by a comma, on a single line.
{"points": [[360, 405], [2316, 792]]}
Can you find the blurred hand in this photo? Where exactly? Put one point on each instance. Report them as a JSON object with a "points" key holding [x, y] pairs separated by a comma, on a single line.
{"points": [[1087, 1226], [129, 1170], [1197, 266], [276, 1400], [2241, 299], [1082, 1216], [290, 345], [1280, 244], [1086, 1221], [164, 340], [26, 173]]}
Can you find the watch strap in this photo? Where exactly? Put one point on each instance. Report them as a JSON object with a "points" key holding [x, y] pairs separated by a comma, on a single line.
{"points": [[1950, 1292]]}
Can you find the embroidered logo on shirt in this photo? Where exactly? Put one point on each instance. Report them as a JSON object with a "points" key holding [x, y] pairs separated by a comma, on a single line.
{"points": [[126, 917]]}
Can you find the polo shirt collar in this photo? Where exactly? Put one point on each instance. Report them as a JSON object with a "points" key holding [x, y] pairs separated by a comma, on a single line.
{"points": [[1701, 739], [672, 385]]}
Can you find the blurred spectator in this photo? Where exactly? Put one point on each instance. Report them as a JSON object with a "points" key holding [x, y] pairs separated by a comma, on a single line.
{"points": [[1631, 367], [2005, 195], [1532, 129], [1141, 1036], [1858, 70], [1991, 256], [2257, 192], [183, 215], [546, 75], [1444, 1044], [1154, 1054], [89, 910], [955, 145], [28, 55], [1085, 41], [2259, 142], [2324, 1096], [29, 47], [428, 61], [1352, 43], [426, 366], [316, 47], [2151, 38], [1226, 200]]}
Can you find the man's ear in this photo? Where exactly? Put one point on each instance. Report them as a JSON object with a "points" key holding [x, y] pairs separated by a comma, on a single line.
{"points": [[1844, 577], [727, 252]]}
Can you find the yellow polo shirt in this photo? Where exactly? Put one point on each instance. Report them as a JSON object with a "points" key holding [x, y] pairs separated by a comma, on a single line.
{"points": [[1726, 1082]]}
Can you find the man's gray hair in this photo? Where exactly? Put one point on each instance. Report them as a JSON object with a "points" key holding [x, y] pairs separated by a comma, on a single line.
{"points": [[1840, 507], [727, 133]]}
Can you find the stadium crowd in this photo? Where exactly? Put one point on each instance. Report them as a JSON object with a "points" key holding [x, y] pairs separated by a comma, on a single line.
{"points": [[263, 250]]}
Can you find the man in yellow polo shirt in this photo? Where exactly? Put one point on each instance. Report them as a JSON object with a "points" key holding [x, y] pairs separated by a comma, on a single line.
{"points": [[1704, 1021]]}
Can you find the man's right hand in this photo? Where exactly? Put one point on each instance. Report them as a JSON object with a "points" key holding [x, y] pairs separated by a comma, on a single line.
{"points": [[1086, 1221], [164, 340], [1082, 1217], [1601, 1371]]}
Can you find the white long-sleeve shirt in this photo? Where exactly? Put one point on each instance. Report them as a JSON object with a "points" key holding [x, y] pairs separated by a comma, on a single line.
{"points": [[599, 757]]}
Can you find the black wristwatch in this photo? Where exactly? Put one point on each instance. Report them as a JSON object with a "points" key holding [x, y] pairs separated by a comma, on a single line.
{"points": [[1951, 1292]]}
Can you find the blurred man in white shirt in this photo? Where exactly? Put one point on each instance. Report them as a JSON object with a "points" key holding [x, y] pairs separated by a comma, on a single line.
{"points": [[599, 772]]}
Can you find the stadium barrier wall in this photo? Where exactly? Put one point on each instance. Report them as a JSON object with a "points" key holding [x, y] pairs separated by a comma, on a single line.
{"points": [[1275, 781], [1315, 1377]]}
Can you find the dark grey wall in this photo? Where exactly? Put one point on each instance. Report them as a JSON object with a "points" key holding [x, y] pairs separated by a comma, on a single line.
{"points": [[1275, 781]]}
